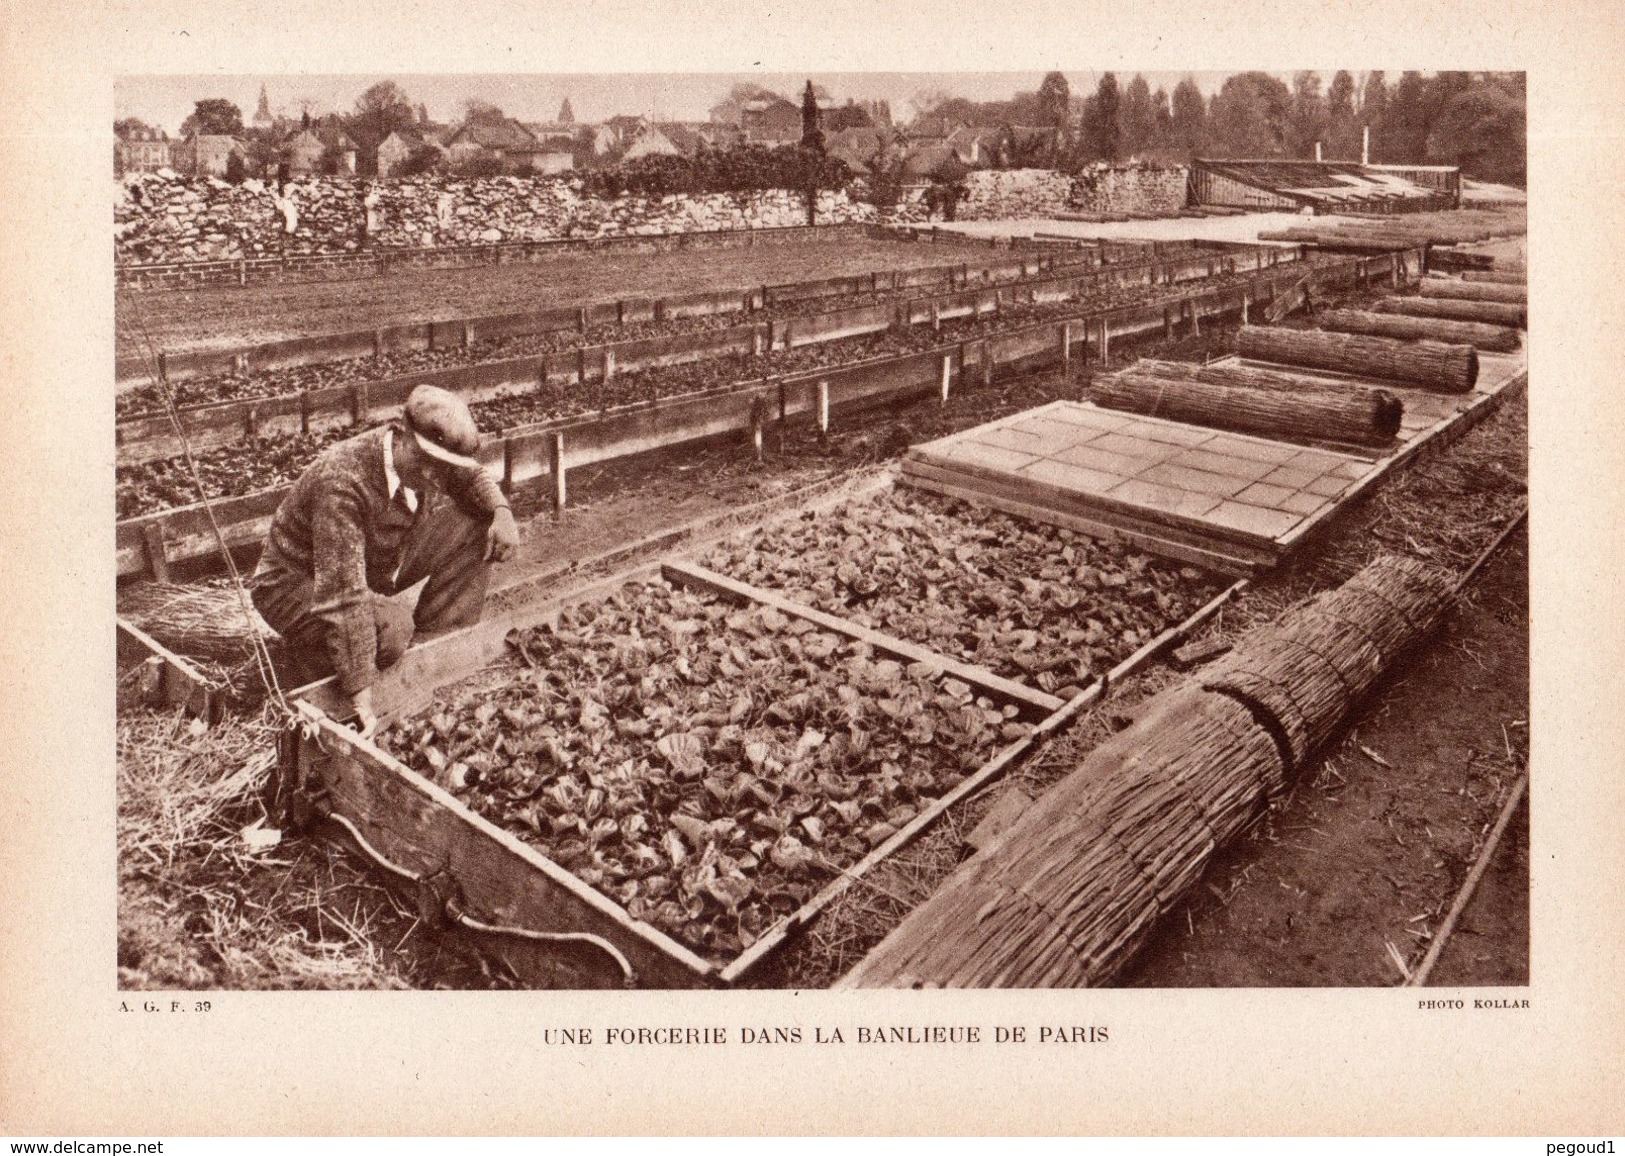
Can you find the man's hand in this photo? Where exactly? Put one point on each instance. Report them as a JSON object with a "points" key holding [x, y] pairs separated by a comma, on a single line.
{"points": [[503, 537], [366, 720]]}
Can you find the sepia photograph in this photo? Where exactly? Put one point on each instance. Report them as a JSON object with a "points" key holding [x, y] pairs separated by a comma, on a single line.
{"points": [[716, 571], [941, 530]]}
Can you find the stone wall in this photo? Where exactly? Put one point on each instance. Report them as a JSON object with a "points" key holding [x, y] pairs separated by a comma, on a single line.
{"points": [[159, 219], [1129, 189], [996, 194], [1036, 193]]}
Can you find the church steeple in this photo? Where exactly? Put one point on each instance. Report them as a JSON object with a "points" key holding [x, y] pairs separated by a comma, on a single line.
{"points": [[262, 114]]}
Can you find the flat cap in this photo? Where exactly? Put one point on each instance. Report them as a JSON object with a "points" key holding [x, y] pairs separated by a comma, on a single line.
{"points": [[443, 426]]}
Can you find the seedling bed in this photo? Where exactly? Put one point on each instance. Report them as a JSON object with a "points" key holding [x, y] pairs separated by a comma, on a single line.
{"points": [[1038, 604], [694, 775], [463, 359], [264, 372], [259, 463], [707, 766]]}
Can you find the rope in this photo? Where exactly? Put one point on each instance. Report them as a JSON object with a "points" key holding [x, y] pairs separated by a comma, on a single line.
{"points": [[264, 667], [456, 914]]}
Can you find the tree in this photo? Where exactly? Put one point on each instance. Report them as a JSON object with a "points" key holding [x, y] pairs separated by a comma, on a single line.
{"points": [[423, 159], [1342, 131], [260, 155], [131, 128], [1138, 118], [567, 115], [1162, 133], [1483, 129], [1055, 102], [812, 136], [729, 110], [926, 101], [1189, 117], [477, 111], [1373, 109], [379, 111], [1249, 116], [213, 117], [1102, 134], [1404, 125], [1306, 123]]}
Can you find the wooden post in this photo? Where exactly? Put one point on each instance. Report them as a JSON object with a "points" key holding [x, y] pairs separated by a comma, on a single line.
{"points": [[936, 316], [1167, 323], [947, 370], [581, 319], [1246, 302], [358, 403], [242, 272], [823, 407], [507, 465], [1196, 320], [1394, 263], [609, 362], [304, 411], [152, 536], [378, 341], [581, 365], [987, 362], [1105, 340], [758, 421], [555, 463], [1066, 350], [251, 422]]}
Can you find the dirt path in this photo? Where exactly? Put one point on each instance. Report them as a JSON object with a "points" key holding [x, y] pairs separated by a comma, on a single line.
{"points": [[227, 316], [1367, 853]]}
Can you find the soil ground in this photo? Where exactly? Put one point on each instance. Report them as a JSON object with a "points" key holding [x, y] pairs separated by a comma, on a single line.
{"points": [[1364, 854], [219, 317]]}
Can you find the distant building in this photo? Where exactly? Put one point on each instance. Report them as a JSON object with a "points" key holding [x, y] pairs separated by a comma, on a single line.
{"points": [[668, 138], [556, 154], [976, 148], [143, 151], [303, 151], [934, 161], [510, 142], [205, 155], [840, 117], [858, 148], [397, 147], [770, 121]]}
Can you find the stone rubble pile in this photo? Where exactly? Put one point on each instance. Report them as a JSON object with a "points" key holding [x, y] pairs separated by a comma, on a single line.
{"points": [[1018, 194], [162, 218]]}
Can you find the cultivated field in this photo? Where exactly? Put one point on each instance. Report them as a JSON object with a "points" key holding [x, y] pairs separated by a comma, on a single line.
{"points": [[224, 317], [1367, 851]]}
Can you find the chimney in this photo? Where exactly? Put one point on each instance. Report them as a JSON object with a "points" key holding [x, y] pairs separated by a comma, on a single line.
{"points": [[1317, 152], [1365, 147]]}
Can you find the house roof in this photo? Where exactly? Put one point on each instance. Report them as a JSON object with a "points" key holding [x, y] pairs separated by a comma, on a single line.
{"points": [[410, 137], [682, 137], [1318, 181], [504, 136], [933, 159]]}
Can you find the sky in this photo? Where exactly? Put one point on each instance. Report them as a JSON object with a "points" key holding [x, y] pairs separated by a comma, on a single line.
{"points": [[165, 101]]}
